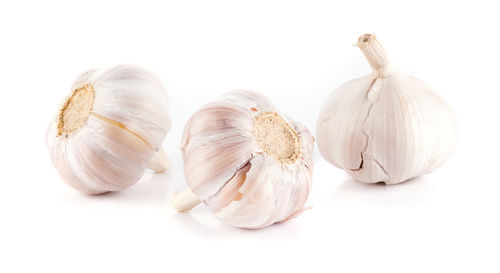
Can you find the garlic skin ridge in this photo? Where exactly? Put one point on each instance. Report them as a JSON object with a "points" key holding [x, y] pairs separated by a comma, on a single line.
{"points": [[385, 127], [251, 165], [110, 129]]}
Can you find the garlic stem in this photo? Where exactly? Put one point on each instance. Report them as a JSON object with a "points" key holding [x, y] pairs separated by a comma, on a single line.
{"points": [[374, 52], [160, 162], [185, 200]]}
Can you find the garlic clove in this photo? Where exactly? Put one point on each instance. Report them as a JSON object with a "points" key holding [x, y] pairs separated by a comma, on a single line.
{"points": [[251, 165], [110, 129], [385, 127], [345, 129]]}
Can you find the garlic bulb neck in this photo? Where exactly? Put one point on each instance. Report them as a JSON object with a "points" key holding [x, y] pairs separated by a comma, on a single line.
{"points": [[185, 200], [276, 138], [374, 53], [160, 162], [76, 110]]}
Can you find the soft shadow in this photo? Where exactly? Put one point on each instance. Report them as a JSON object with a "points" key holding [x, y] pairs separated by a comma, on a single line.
{"points": [[411, 193], [151, 189], [202, 223]]}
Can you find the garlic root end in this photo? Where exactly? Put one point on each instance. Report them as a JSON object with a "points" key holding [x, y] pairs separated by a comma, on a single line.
{"points": [[184, 201]]}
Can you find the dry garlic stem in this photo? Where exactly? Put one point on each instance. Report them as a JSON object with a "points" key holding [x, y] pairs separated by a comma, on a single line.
{"points": [[385, 127], [110, 129], [160, 162], [185, 200], [251, 165]]}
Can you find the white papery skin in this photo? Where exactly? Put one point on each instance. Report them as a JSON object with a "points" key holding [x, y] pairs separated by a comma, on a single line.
{"points": [[225, 167], [385, 127], [127, 124]]}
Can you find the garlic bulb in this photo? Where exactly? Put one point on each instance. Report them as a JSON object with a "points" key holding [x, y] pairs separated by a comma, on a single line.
{"points": [[385, 127], [251, 165], [110, 129]]}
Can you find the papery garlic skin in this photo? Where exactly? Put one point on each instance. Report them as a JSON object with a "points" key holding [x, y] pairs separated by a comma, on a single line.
{"points": [[385, 127], [113, 135], [248, 163]]}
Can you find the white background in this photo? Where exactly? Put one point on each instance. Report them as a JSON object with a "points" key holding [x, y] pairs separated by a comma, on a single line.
{"points": [[296, 53]]}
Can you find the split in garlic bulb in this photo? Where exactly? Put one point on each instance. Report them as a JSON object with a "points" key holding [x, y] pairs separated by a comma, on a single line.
{"points": [[385, 127], [251, 165], [110, 129]]}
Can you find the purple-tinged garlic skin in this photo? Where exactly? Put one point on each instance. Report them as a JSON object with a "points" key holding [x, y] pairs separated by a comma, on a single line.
{"points": [[251, 165], [109, 129]]}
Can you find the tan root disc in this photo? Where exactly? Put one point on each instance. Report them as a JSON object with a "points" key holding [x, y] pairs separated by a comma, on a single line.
{"points": [[277, 138], [76, 110]]}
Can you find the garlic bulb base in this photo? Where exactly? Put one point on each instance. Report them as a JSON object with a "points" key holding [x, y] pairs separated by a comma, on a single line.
{"points": [[184, 201], [160, 162], [75, 111], [276, 138]]}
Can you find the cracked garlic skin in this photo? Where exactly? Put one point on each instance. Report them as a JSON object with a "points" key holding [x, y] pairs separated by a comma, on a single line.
{"points": [[250, 164], [385, 127], [110, 129]]}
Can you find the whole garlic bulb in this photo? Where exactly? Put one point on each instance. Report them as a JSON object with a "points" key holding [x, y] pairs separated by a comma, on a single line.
{"points": [[251, 165], [385, 127], [110, 129]]}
